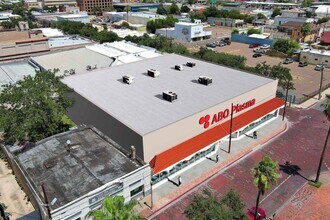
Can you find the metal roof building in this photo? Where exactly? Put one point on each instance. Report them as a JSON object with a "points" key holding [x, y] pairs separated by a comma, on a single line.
{"points": [[175, 115]]}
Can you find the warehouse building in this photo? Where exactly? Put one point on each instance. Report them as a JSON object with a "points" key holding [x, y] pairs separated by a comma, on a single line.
{"points": [[72, 173], [175, 110]]}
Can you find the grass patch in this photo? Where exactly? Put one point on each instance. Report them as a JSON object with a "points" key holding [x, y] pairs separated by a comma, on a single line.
{"points": [[315, 184], [68, 121]]}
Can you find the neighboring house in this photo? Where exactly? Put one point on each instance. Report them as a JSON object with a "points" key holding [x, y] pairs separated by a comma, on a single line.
{"points": [[325, 39], [77, 170], [16, 44], [294, 15], [141, 17], [267, 13], [263, 22], [293, 29], [228, 22], [29, 4], [316, 57], [322, 11], [186, 31]]}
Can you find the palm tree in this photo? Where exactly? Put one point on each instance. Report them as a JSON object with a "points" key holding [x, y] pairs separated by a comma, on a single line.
{"points": [[115, 209], [327, 114], [265, 173]]}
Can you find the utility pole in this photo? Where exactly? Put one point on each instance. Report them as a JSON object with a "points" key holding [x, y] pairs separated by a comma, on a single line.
{"points": [[230, 128], [286, 98], [321, 159], [46, 201], [321, 82]]}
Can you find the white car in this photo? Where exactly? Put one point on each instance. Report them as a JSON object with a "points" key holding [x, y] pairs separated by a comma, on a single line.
{"points": [[319, 67], [265, 46]]}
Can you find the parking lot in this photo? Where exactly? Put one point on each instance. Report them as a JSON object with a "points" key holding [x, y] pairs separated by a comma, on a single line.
{"points": [[306, 79]]}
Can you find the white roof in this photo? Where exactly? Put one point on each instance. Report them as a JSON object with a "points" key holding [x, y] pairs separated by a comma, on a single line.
{"points": [[106, 49], [51, 32], [323, 9], [127, 32], [73, 16], [259, 36], [140, 105]]}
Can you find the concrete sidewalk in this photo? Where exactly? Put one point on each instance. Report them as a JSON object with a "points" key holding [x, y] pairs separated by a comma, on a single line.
{"points": [[312, 101], [167, 192]]}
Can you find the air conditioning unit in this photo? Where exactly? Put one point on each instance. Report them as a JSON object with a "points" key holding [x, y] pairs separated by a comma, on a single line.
{"points": [[128, 79], [178, 67], [190, 64], [72, 71], [170, 96], [205, 80], [153, 73], [88, 67]]}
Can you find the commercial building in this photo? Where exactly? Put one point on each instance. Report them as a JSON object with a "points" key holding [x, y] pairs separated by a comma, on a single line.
{"points": [[135, 7], [59, 3], [81, 17], [16, 44], [228, 22], [316, 57], [77, 170], [87, 5], [175, 110], [186, 31]]}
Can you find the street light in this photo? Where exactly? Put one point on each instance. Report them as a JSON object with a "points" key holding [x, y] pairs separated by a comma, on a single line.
{"points": [[321, 82], [286, 98]]}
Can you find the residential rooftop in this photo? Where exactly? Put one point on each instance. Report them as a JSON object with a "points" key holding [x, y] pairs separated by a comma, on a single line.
{"points": [[69, 172], [140, 105]]}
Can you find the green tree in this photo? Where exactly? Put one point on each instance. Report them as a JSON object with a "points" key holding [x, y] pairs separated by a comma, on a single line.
{"points": [[115, 209], [277, 11], [323, 20], [285, 46], [107, 36], [253, 31], [97, 10], [110, 8], [310, 14], [206, 206], [174, 9], [326, 111], [261, 16], [32, 109], [184, 9], [306, 29], [265, 173], [161, 10], [284, 76], [190, 2], [235, 31], [307, 3]]}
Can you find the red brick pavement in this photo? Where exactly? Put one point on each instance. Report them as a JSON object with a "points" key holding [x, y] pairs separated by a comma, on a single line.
{"points": [[301, 145]]}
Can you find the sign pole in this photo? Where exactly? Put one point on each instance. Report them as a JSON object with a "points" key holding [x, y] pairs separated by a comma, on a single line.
{"points": [[231, 127]]}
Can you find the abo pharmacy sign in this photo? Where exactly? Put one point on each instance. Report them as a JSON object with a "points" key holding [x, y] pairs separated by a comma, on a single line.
{"points": [[217, 117]]}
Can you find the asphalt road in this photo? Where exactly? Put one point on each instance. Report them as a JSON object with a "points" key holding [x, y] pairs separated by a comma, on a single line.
{"points": [[300, 146]]}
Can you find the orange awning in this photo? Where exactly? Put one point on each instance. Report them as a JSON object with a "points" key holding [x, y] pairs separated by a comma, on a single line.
{"points": [[179, 152]]}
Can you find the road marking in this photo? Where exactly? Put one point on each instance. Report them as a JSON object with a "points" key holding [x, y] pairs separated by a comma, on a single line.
{"points": [[276, 188], [326, 165]]}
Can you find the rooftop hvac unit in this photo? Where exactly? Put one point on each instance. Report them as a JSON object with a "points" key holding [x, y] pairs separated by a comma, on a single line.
{"points": [[170, 96], [72, 71], [153, 73], [128, 79], [88, 67], [191, 64], [205, 80], [178, 67]]}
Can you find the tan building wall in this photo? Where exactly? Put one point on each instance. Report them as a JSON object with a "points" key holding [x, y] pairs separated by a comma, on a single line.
{"points": [[315, 58], [59, 2], [176, 133], [88, 5]]}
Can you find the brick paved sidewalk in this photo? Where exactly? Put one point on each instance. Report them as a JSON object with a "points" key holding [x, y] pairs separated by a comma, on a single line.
{"points": [[171, 196], [308, 202]]}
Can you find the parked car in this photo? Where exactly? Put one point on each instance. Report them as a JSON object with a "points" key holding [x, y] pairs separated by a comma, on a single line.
{"points": [[302, 64], [287, 61], [226, 40], [254, 45], [260, 215], [255, 55], [222, 44], [265, 46], [259, 50], [319, 67], [212, 45]]}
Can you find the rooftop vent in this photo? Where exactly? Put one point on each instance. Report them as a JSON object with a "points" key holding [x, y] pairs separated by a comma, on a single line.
{"points": [[72, 71], [89, 67], [153, 73], [178, 67], [133, 153], [128, 79], [205, 80], [190, 64], [170, 96]]}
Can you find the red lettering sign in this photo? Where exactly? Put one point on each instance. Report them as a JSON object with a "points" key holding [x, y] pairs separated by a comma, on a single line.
{"points": [[217, 117]]}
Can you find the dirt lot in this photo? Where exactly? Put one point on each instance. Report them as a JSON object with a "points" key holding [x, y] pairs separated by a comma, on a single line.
{"points": [[11, 194], [306, 79]]}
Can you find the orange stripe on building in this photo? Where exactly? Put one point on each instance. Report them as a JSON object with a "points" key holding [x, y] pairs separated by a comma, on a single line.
{"points": [[179, 152]]}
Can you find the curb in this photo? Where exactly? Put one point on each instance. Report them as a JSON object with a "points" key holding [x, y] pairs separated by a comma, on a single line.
{"points": [[221, 167]]}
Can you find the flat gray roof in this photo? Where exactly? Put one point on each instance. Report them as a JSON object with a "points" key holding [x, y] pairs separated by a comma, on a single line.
{"points": [[92, 162], [76, 59], [140, 105]]}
